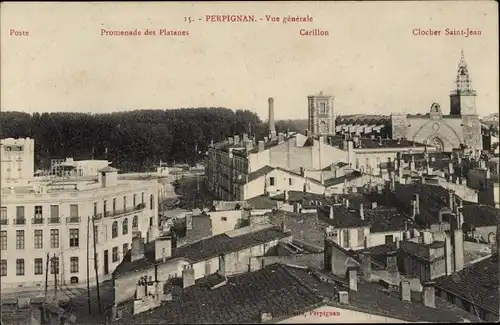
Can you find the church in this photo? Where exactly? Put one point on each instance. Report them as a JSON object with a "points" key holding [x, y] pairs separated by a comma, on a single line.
{"points": [[461, 127]]}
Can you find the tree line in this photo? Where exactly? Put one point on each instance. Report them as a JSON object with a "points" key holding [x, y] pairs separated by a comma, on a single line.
{"points": [[134, 140]]}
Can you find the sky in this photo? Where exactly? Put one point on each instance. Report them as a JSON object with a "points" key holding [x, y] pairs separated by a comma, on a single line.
{"points": [[371, 61]]}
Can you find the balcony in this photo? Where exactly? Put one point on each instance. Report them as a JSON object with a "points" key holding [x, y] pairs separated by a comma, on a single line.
{"points": [[54, 220], [4, 222], [73, 220], [37, 220], [119, 213], [20, 221]]}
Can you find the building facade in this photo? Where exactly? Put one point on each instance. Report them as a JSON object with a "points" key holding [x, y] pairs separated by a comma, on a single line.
{"points": [[54, 219], [17, 159]]}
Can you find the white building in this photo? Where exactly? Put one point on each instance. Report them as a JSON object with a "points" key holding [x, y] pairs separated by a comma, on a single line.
{"points": [[71, 167], [51, 217], [17, 159]]}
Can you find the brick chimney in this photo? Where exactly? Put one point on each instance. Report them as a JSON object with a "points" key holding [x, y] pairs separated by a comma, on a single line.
{"points": [[188, 278], [361, 211], [137, 250], [405, 291], [428, 294], [272, 127]]}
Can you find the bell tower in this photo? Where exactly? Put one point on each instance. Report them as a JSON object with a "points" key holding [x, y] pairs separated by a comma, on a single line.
{"points": [[321, 118], [463, 97]]}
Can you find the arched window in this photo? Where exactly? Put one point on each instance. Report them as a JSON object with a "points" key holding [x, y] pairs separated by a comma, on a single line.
{"points": [[151, 202], [135, 222], [322, 127], [125, 227], [114, 230]]}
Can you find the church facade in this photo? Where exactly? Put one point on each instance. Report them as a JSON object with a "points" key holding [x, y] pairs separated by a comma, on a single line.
{"points": [[462, 126]]}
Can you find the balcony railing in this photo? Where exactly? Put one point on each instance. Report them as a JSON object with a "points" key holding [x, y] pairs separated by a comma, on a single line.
{"points": [[37, 220], [73, 220], [54, 220], [4, 221], [20, 221], [118, 213]]}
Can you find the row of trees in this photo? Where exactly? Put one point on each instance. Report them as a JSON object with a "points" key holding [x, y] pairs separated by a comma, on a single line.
{"points": [[134, 140]]}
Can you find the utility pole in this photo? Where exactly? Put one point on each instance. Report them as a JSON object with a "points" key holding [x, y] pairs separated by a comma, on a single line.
{"points": [[47, 276], [88, 265], [95, 268], [55, 276]]}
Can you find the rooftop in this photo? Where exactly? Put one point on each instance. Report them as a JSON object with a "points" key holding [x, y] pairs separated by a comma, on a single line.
{"points": [[478, 283], [284, 291], [202, 249]]}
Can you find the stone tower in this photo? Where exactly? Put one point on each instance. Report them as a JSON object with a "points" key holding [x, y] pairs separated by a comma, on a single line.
{"points": [[463, 97], [321, 117]]}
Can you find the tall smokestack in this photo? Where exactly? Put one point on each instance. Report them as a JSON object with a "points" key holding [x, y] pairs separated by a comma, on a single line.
{"points": [[272, 128]]}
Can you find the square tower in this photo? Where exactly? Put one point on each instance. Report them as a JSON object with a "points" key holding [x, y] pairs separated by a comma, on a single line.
{"points": [[321, 116], [463, 97]]}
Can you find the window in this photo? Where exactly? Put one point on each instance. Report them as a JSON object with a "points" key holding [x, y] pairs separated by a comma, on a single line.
{"points": [[54, 269], [224, 218], [73, 264], [135, 222], [38, 211], [357, 163], [125, 226], [3, 268], [114, 254], [271, 181], [95, 208], [96, 233], [142, 197], [73, 210], [134, 202], [105, 207], [3, 213], [20, 212], [367, 162], [38, 238], [289, 181], [151, 202], [114, 230], [378, 162], [389, 239], [54, 238], [74, 238], [322, 108], [54, 211], [345, 237], [124, 203], [114, 205], [38, 266], [150, 221], [125, 248], [20, 266], [3, 239], [19, 239]]}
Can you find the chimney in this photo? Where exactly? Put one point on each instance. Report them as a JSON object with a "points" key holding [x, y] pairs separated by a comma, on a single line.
{"points": [[331, 214], [343, 297], [236, 139], [361, 211], [261, 146], [137, 251], [413, 209], [285, 196], [222, 265], [374, 204], [379, 138], [307, 133], [265, 317], [230, 152], [245, 137], [281, 137], [417, 202], [366, 265], [163, 248], [488, 173], [458, 249], [353, 278], [412, 163], [392, 267], [272, 128], [188, 278], [450, 200], [447, 254], [405, 291], [429, 295], [211, 143], [346, 202], [266, 139]]}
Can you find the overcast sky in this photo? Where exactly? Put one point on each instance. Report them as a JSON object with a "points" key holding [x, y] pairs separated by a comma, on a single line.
{"points": [[371, 62]]}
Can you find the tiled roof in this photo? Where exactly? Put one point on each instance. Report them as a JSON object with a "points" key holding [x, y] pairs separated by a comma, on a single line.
{"points": [[259, 173], [262, 202], [305, 198], [108, 169], [343, 218], [478, 283], [386, 219], [242, 300], [283, 291], [388, 143], [203, 249], [339, 180], [480, 215]]}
